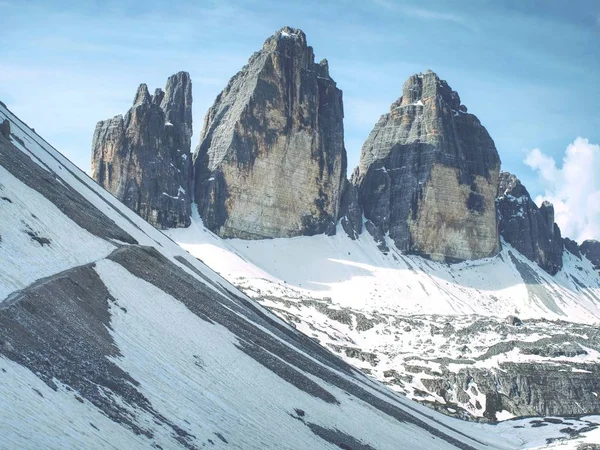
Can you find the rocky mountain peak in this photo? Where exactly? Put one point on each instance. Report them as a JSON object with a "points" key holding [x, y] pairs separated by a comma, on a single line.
{"points": [[528, 228], [286, 35], [428, 175], [177, 105], [271, 160], [428, 87], [144, 158], [142, 95]]}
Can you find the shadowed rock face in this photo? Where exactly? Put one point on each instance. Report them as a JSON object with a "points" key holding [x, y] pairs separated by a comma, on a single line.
{"points": [[428, 175], [529, 229], [591, 250], [271, 160], [572, 246], [350, 213], [144, 158]]}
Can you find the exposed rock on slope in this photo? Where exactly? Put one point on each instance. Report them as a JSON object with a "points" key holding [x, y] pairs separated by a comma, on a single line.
{"points": [[572, 246], [591, 250], [428, 175], [144, 158], [271, 160], [531, 230]]}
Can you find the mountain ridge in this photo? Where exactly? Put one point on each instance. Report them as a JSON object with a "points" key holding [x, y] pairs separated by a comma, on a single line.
{"points": [[428, 176]]}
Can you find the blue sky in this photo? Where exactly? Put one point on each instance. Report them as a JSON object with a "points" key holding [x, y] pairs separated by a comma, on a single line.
{"points": [[530, 70]]}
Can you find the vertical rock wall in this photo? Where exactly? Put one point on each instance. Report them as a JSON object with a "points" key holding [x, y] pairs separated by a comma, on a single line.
{"points": [[529, 229], [271, 160], [428, 175], [144, 158]]}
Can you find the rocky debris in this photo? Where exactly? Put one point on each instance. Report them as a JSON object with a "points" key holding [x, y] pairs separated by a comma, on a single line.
{"points": [[471, 367], [356, 353], [572, 247], [588, 447], [428, 175], [144, 158], [514, 321], [529, 229], [271, 160], [350, 213], [5, 129], [591, 250]]}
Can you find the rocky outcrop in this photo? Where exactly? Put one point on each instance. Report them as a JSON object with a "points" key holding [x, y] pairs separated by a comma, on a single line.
{"points": [[5, 129], [572, 247], [529, 229], [428, 175], [144, 158], [591, 250], [271, 160], [522, 389]]}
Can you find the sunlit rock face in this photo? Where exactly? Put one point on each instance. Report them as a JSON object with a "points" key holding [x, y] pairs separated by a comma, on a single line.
{"points": [[271, 160], [428, 175], [529, 229], [144, 158]]}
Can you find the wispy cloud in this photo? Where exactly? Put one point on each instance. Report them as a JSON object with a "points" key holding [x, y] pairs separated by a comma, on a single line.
{"points": [[428, 14], [421, 13]]}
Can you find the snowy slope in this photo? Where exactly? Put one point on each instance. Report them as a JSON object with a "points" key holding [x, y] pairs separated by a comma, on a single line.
{"points": [[356, 274], [113, 336], [434, 332]]}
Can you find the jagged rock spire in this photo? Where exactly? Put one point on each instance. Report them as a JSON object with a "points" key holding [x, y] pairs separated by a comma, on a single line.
{"points": [[144, 158], [529, 229]]}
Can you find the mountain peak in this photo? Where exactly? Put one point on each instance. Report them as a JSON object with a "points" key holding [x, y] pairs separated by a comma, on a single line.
{"points": [[142, 95], [428, 175], [291, 33], [426, 87], [271, 160], [528, 228]]}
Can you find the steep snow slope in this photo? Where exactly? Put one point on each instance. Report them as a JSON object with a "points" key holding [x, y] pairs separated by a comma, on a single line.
{"points": [[112, 336]]}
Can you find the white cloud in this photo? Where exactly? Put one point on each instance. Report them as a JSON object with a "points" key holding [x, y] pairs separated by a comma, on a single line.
{"points": [[574, 188], [427, 14]]}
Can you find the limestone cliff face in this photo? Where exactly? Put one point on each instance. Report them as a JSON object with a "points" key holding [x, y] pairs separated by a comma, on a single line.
{"points": [[144, 158], [428, 175], [271, 160], [350, 213], [529, 229]]}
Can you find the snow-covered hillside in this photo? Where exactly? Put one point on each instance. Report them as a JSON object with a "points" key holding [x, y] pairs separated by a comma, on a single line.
{"points": [[113, 336], [470, 339], [355, 274]]}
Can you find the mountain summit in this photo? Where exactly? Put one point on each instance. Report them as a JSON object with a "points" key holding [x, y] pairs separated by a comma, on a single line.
{"points": [[428, 175], [271, 159]]}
